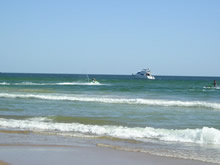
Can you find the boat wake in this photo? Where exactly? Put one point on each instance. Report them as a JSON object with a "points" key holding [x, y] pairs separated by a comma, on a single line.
{"points": [[211, 87]]}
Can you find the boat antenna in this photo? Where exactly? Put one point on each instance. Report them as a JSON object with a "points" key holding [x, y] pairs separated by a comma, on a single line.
{"points": [[87, 77]]}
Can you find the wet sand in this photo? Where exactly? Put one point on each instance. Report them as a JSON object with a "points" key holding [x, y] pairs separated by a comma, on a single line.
{"points": [[3, 163], [17, 154]]}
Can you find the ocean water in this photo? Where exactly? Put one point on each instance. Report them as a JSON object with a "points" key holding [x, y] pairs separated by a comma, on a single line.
{"points": [[171, 116]]}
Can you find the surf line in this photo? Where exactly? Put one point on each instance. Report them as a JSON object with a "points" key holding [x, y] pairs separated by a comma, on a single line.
{"points": [[134, 101]]}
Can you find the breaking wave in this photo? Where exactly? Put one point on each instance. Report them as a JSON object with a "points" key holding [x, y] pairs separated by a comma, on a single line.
{"points": [[79, 83], [136, 101], [52, 84], [4, 83], [203, 135]]}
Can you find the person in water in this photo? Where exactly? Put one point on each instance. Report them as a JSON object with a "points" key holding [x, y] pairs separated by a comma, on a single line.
{"points": [[215, 83], [93, 80]]}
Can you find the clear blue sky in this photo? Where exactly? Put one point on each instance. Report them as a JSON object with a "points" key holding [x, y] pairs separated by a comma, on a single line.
{"points": [[171, 37]]}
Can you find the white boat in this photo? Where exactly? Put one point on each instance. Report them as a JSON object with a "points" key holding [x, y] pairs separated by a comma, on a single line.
{"points": [[144, 74]]}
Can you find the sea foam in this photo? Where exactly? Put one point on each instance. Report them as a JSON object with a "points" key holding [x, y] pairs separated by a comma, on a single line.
{"points": [[203, 135], [4, 83], [79, 83], [52, 84], [139, 101]]}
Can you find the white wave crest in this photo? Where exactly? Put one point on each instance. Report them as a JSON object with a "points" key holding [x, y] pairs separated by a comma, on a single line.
{"points": [[79, 83], [204, 135], [52, 84], [28, 83], [139, 101], [4, 83], [211, 87]]}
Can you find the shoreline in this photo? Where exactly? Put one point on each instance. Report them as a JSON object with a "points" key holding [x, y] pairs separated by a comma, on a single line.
{"points": [[25, 154], [3, 163]]}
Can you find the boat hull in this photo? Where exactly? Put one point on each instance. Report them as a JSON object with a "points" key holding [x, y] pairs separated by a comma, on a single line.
{"points": [[144, 77]]}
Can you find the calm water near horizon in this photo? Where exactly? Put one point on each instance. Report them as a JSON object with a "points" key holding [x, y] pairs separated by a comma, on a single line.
{"points": [[175, 116]]}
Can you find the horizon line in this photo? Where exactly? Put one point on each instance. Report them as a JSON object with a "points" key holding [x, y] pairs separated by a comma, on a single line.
{"points": [[100, 74]]}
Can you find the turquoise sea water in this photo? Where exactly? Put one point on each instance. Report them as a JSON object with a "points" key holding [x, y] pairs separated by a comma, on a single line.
{"points": [[170, 116]]}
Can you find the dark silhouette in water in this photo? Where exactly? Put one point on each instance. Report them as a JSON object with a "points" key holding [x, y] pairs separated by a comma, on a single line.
{"points": [[94, 80], [215, 83]]}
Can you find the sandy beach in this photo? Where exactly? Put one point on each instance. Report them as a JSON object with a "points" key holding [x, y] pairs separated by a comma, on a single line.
{"points": [[3, 163], [17, 154]]}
